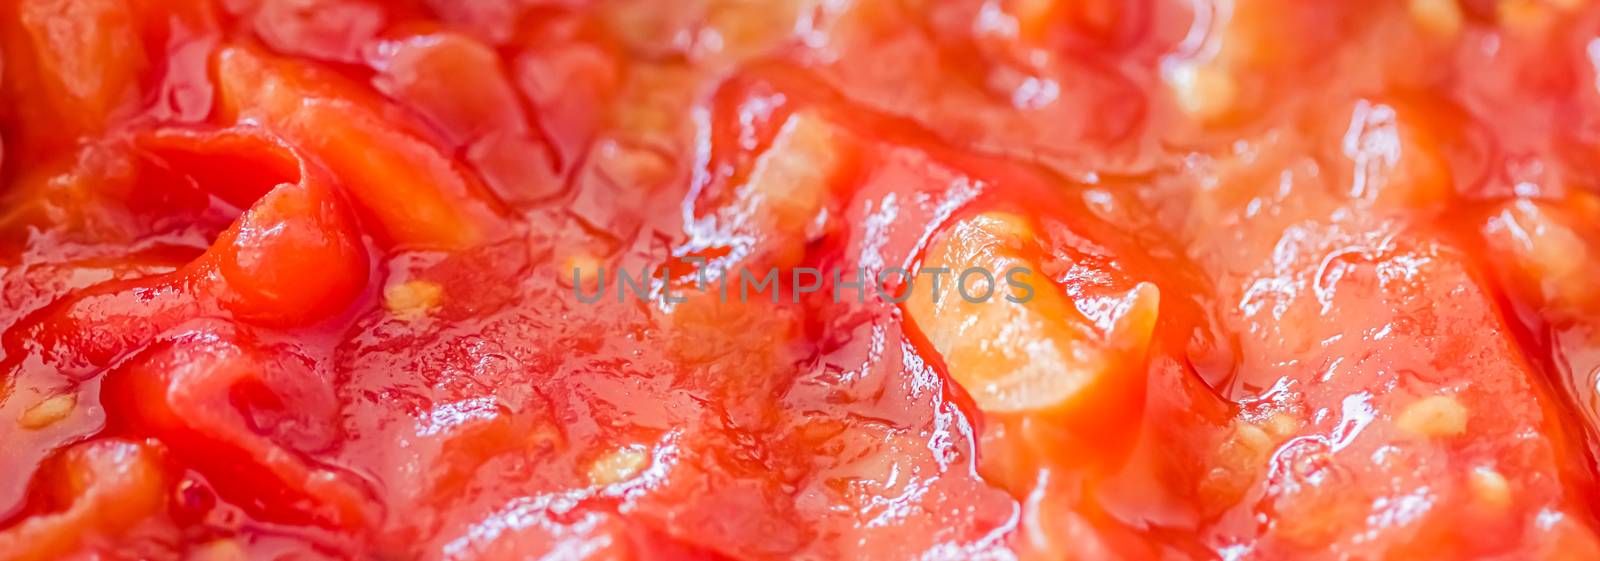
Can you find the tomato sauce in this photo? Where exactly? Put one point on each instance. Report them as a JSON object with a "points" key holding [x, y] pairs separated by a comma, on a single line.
{"points": [[466, 280]]}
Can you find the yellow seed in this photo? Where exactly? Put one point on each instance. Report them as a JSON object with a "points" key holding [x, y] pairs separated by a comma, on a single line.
{"points": [[1489, 487], [1250, 440], [412, 299], [1204, 91], [1435, 416], [582, 266], [219, 550], [618, 465], [790, 184], [1282, 425], [48, 412], [1442, 18], [1237, 462], [1550, 255], [1525, 16], [633, 167]]}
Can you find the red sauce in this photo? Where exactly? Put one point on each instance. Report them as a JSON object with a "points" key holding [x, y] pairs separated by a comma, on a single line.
{"points": [[343, 279]]}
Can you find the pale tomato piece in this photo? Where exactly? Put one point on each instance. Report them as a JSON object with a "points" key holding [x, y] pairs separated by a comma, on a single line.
{"points": [[456, 82], [1009, 336], [1241, 53], [1441, 18], [87, 57], [789, 189], [335, 30], [1375, 369], [1549, 255], [1396, 156]]}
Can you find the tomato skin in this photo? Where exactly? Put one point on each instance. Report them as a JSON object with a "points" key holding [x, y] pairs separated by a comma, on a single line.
{"points": [[92, 330], [78, 68], [477, 109], [291, 279], [259, 268], [238, 166], [202, 393], [87, 54], [298, 229], [328, 118], [328, 30]]}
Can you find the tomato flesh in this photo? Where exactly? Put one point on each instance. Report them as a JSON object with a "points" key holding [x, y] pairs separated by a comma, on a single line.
{"points": [[348, 279]]}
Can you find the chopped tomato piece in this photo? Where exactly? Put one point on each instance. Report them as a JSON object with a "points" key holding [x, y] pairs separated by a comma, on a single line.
{"points": [[430, 72], [492, 127], [242, 416], [473, 280], [445, 207], [105, 487], [87, 55], [1010, 337], [785, 199], [335, 30], [297, 231]]}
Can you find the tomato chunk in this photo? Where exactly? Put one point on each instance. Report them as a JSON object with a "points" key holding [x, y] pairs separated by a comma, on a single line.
{"points": [[107, 487], [240, 414], [445, 207], [468, 280], [1011, 338]]}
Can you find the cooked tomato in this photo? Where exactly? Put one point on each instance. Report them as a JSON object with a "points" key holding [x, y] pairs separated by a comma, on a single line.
{"points": [[481, 280]]}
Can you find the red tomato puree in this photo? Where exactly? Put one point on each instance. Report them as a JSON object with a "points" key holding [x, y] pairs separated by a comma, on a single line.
{"points": [[482, 280]]}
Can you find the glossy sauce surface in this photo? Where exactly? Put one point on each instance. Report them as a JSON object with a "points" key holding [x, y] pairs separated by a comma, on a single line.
{"points": [[305, 279]]}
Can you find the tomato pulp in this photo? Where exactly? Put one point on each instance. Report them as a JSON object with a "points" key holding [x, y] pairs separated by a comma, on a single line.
{"points": [[573, 279]]}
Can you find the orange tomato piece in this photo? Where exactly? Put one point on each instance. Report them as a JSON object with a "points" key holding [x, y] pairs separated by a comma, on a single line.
{"points": [[86, 60]]}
